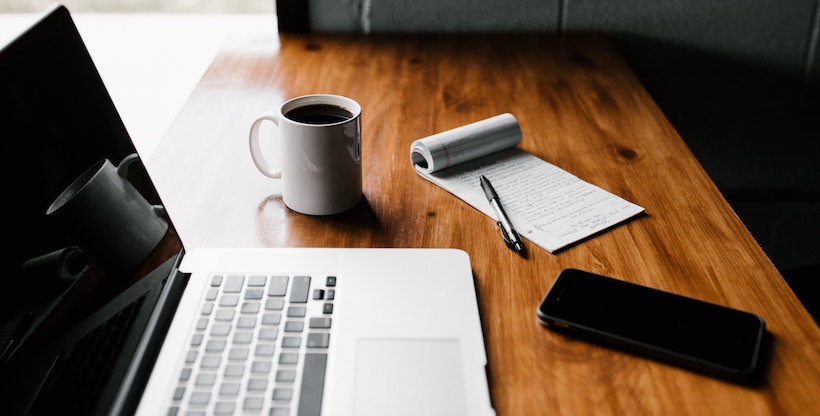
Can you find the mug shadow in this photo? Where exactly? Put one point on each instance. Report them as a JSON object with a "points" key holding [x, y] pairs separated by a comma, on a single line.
{"points": [[279, 226]]}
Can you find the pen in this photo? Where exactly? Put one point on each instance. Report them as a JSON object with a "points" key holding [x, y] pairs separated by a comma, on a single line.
{"points": [[508, 233], [17, 335]]}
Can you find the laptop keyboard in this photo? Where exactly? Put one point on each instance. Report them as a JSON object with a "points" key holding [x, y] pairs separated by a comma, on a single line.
{"points": [[260, 346], [81, 371]]}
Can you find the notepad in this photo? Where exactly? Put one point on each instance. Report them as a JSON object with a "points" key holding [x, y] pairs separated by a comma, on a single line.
{"points": [[547, 205]]}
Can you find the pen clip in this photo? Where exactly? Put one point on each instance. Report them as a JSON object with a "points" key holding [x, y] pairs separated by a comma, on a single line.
{"points": [[504, 234]]}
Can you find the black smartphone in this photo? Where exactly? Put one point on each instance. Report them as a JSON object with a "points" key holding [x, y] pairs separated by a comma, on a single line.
{"points": [[701, 336]]}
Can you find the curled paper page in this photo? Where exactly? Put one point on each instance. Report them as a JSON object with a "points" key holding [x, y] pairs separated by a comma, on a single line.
{"points": [[465, 143], [57, 268]]}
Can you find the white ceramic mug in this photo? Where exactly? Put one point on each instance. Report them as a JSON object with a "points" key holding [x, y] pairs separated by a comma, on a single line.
{"points": [[320, 141], [108, 217]]}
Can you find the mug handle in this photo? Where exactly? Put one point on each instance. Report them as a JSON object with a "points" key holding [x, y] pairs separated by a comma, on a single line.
{"points": [[122, 171], [122, 168], [256, 150]]}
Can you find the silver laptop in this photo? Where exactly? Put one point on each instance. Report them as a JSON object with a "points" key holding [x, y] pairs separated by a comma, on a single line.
{"points": [[302, 331]]}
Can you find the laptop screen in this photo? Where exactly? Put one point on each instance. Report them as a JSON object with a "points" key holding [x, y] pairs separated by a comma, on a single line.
{"points": [[79, 205]]}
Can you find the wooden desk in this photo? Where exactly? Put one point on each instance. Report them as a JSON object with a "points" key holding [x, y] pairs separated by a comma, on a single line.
{"points": [[581, 108]]}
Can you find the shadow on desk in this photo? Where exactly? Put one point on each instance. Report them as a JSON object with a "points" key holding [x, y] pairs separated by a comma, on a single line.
{"points": [[271, 224]]}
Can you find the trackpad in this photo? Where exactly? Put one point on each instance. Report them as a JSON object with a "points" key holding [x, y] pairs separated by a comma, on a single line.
{"points": [[409, 377]]}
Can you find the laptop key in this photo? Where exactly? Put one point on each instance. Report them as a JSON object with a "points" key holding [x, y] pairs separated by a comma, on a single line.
{"points": [[264, 350], [220, 329], [253, 403], [179, 393], [300, 289], [291, 342], [285, 375], [246, 322], [234, 370], [200, 398], [257, 280], [313, 384], [320, 323], [229, 389], [288, 358], [268, 334], [282, 394], [201, 324], [257, 384], [261, 367], [294, 326], [254, 293], [210, 361], [250, 307], [224, 315], [224, 408], [243, 337], [216, 280], [271, 318], [274, 304], [279, 411], [205, 379], [229, 300], [278, 286], [233, 284], [318, 340], [238, 354], [215, 345]]}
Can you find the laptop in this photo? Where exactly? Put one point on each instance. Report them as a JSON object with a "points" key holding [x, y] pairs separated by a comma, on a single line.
{"points": [[267, 331]]}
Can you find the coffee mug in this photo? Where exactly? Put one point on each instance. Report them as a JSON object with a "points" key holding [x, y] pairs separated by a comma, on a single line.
{"points": [[108, 217], [320, 140]]}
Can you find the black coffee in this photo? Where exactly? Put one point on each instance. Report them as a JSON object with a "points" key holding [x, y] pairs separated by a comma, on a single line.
{"points": [[319, 114]]}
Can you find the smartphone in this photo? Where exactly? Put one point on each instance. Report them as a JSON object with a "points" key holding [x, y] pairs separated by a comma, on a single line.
{"points": [[687, 332]]}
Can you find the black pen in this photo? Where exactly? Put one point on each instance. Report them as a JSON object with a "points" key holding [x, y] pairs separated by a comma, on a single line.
{"points": [[17, 335], [508, 233]]}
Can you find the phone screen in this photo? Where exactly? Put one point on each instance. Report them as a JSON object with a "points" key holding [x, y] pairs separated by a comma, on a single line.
{"points": [[685, 331]]}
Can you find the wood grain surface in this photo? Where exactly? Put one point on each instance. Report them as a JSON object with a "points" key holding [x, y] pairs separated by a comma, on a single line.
{"points": [[581, 108]]}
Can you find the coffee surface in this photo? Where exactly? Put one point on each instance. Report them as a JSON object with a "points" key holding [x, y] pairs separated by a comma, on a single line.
{"points": [[319, 114]]}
